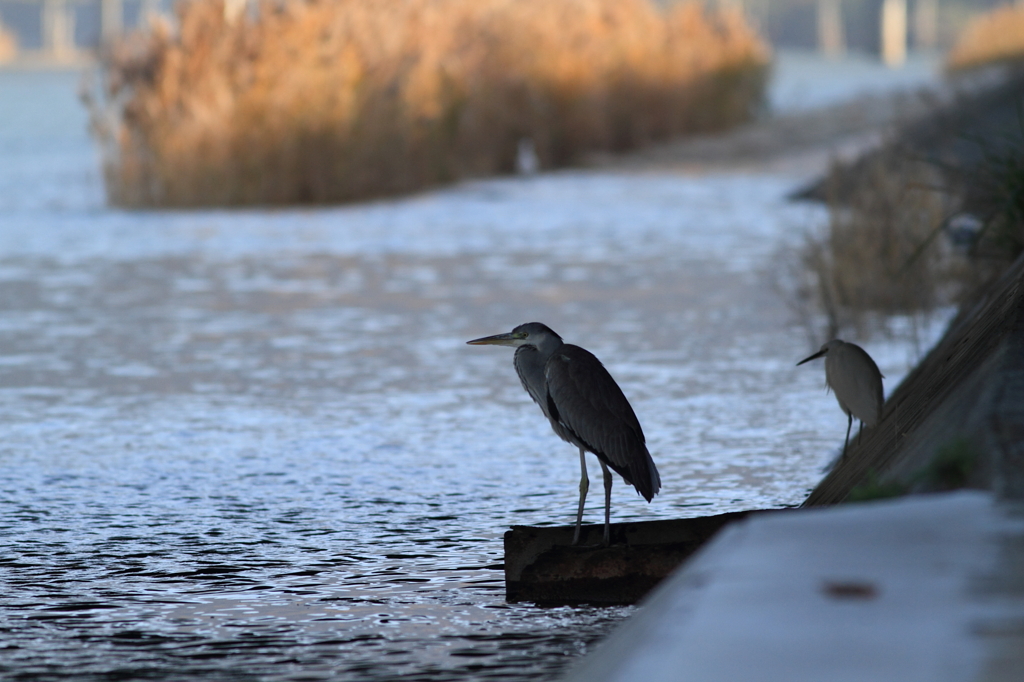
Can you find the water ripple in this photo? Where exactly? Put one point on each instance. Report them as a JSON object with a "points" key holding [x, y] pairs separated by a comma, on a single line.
{"points": [[254, 445]]}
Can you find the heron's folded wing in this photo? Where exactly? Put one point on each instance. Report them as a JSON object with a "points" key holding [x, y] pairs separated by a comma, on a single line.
{"points": [[592, 406], [860, 382]]}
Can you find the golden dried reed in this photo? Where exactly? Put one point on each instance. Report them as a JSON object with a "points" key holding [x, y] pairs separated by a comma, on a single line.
{"points": [[314, 101], [994, 37], [880, 255], [8, 44]]}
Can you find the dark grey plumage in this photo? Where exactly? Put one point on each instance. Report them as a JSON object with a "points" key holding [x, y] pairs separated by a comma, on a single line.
{"points": [[584, 406]]}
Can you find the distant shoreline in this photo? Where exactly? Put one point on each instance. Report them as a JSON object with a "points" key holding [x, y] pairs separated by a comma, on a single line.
{"points": [[35, 61]]}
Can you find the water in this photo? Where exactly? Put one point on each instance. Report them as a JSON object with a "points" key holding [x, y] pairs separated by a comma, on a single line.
{"points": [[253, 445], [805, 80]]}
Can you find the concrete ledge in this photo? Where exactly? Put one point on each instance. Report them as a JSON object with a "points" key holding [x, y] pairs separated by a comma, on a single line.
{"points": [[898, 591]]}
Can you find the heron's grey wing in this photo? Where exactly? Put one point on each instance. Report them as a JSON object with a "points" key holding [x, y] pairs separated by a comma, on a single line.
{"points": [[591, 406], [530, 364], [862, 384]]}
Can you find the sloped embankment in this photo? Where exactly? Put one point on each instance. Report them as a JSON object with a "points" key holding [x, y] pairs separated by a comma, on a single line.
{"points": [[957, 420]]}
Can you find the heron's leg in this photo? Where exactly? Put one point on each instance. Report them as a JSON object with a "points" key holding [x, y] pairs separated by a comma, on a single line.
{"points": [[607, 503], [584, 486], [849, 425]]}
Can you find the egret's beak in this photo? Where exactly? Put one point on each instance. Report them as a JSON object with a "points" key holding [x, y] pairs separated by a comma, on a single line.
{"points": [[813, 357], [496, 340]]}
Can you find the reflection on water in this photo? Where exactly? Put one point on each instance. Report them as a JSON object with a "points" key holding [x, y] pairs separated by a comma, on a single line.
{"points": [[254, 445]]}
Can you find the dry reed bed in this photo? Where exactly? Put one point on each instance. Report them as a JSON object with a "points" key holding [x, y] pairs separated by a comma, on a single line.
{"points": [[905, 236], [879, 255], [994, 37], [325, 101], [924, 222], [8, 45]]}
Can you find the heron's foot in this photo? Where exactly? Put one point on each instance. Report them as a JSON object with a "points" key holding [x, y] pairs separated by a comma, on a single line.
{"points": [[595, 545]]}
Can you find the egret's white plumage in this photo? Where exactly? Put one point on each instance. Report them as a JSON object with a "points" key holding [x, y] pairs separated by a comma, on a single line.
{"points": [[855, 379]]}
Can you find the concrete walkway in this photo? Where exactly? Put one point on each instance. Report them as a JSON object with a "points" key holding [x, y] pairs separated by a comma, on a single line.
{"points": [[927, 588]]}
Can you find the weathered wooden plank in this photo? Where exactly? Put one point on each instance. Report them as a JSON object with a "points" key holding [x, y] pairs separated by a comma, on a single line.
{"points": [[541, 566]]}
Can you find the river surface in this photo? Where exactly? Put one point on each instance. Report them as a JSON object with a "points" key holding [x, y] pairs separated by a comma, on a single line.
{"points": [[253, 445]]}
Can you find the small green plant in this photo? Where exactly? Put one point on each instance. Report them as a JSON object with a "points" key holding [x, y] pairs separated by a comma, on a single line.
{"points": [[874, 488], [950, 468]]}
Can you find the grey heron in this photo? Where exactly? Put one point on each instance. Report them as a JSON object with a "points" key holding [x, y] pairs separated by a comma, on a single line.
{"points": [[585, 407], [854, 377]]}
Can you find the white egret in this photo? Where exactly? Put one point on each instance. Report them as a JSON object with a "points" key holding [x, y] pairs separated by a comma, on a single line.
{"points": [[854, 377]]}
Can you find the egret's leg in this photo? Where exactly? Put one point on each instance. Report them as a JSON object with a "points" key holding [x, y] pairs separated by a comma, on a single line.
{"points": [[607, 503], [849, 425], [584, 486]]}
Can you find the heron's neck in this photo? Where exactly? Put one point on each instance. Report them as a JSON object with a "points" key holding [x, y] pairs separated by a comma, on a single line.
{"points": [[529, 362], [547, 346]]}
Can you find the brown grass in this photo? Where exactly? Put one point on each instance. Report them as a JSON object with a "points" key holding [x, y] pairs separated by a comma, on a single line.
{"points": [[327, 101], [994, 37], [8, 45], [882, 254]]}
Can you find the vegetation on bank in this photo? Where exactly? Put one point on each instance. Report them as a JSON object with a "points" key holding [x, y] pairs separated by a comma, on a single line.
{"points": [[933, 215], [996, 37], [876, 258], [916, 225], [869, 260], [339, 100]]}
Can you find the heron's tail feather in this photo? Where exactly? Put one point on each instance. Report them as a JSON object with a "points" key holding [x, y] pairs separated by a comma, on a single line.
{"points": [[655, 478], [650, 478], [641, 474]]}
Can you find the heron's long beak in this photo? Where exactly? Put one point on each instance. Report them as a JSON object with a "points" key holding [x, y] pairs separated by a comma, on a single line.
{"points": [[813, 357], [496, 340]]}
